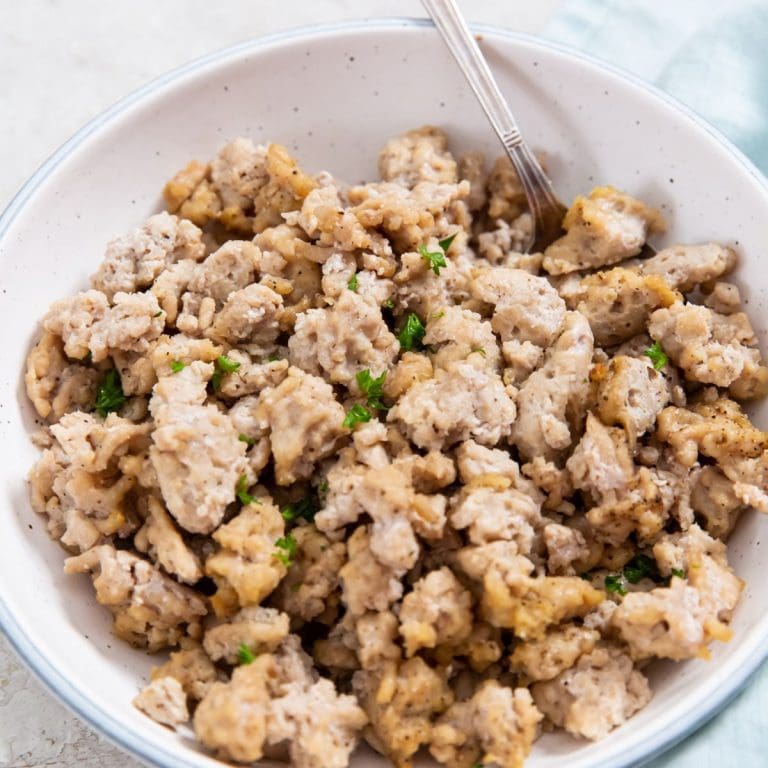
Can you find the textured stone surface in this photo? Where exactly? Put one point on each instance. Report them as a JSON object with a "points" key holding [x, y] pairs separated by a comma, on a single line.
{"points": [[36, 731]]}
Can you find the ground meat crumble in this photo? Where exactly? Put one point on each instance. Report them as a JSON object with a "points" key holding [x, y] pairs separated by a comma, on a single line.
{"points": [[368, 472]]}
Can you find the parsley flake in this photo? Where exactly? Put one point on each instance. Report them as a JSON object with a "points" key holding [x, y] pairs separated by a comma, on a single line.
{"points": [[641, 567], [109, 395], [352, 284], [435, 259], [322, 491], [357, 414], [388, 304], [223, 365], [411, 333], [657, 355], [273, 358], [286, 550], [479, 351], [158, 314], [372, 388], [615, 584], [679, 572], [303, 508], [226, 364], [177, 365], [586, 576], [446, 242], [241, 491], [249, 441], [245, 655]]}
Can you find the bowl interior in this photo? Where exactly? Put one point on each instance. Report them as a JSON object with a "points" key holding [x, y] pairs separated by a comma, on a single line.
{"points": [[333, 96]]}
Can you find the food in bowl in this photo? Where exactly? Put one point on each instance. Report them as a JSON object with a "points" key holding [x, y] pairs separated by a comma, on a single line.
{"points": [[370, 472]]}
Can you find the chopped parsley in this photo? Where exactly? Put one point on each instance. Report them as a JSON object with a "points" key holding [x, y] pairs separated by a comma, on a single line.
{"points": [[641, 567], [446, 242], [679, 572], [586, 576], [223, 365], [322, 491], [638, 568], [110, 396], [352, 284], [411, 333], [273, 358], [241, 491], [357, 414], [286, 550], [158, 314], [656, 353], [226, 364], [303, 508], [249, 441], [372, 388], [177, 365], [614, 583], [245, 655], [479, 765], [479, 351], [435, 259], [388, 304]]}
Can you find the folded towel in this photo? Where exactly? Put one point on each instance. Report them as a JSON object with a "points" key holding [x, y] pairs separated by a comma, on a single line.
{"points": [[714, 58], [711, 56]]}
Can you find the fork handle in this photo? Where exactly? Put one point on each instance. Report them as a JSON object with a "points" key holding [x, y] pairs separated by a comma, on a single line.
{"points": [[545, 207]]}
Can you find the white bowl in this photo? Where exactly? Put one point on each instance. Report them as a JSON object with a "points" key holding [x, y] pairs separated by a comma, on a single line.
{"points": [[333, 95]]}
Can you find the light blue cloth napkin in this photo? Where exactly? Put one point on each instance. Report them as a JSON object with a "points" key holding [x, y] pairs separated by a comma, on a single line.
{"points": [[712, 56]]}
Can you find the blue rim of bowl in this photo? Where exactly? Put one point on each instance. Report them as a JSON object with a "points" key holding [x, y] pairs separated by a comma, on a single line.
{"points": [[64, 689]]}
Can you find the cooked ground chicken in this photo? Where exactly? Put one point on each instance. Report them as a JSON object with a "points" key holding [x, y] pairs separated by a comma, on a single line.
{"points": [[711, 348], [683, 267], [498, 725], [602, 690], [367, 471], [602, 229], [617, 303], [164, 701], [150, 609]]}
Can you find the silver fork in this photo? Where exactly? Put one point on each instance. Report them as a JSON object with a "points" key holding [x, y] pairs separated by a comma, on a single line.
{"points": [[546, 209]]}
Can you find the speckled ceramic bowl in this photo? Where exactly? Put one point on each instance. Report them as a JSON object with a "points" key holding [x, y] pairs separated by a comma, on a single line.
{"points": [[333, 95]]}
